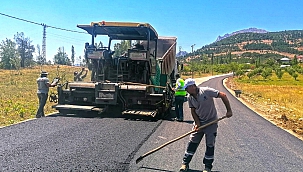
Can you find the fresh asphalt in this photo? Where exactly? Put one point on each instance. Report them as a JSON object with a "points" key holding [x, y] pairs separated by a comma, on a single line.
{"points": [[246, 142]]}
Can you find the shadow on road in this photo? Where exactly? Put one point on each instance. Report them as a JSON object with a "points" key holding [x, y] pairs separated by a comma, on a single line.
{"points": [[114, 114], [157, 169]]}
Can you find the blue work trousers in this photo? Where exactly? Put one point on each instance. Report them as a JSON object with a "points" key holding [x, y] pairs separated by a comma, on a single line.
{"points": [[210, 133], [179, 101]]}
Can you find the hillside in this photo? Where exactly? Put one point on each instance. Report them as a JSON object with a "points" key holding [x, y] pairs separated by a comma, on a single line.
{"points": [[249, 30], [247, 44], [181, 53]]}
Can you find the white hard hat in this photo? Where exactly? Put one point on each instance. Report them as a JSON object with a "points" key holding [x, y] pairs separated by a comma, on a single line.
{"points": [[189, 82]]}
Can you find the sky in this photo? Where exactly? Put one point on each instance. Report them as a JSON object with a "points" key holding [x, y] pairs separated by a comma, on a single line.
{"points": [[193, 22]]}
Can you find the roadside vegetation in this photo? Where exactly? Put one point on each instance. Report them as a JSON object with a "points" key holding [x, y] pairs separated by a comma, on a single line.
{"points": [[18, 98], [277, 99]]}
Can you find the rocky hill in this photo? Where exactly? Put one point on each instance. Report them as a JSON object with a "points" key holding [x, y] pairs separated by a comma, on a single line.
{"points": [[249, 30], [181, 54], [255, 44]]}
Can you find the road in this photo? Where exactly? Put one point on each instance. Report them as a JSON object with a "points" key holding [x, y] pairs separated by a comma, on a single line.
{"points": [[245, 142]]}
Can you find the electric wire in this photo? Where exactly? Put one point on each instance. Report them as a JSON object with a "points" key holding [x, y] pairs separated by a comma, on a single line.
{"points": [[41, 24], [65, 37], [53, 27]]}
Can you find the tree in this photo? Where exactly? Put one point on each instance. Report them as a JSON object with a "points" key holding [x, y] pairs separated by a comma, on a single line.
{"points": [[73, 55], [9, 55], [279, 72], [25, 49], [79, 60], [295, 61], [121, 47], [233, 66], [266, 73], [194, 67], [229, 57], [295, 75], [290, 70], [61, 57], [270, 62], [250, 74], [239, 73], [40, 59]]}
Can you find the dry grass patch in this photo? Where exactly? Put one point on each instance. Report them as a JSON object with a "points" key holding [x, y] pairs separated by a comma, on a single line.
{"points": [[18, 98], [280, 101]]}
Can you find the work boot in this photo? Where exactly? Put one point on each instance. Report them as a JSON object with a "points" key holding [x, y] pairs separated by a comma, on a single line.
{"points": [[206, 169], [180, 120], [184, 167]]}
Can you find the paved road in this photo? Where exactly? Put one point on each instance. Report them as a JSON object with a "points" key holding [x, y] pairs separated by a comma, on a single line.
{"points": [[61, 143], [246, 142]]}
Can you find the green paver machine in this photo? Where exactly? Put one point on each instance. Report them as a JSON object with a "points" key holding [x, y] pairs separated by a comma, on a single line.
{"points": [[137, 82]]}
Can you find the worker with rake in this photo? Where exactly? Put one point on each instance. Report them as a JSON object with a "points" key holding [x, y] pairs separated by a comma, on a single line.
{"points": [[203, 111]]}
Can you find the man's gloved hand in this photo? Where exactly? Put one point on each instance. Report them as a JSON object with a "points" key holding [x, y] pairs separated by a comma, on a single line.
{"points": [[55, 81]]}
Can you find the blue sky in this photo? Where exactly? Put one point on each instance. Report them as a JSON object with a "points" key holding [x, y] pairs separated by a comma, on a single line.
{"points": [[197, 22]]}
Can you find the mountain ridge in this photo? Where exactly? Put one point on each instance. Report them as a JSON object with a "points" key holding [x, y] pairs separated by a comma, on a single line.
{"points": [[249, 30], [219, 38], [287, 43]]}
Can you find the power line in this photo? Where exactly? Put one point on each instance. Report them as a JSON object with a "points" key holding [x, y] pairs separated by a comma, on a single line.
{"points": [[67, 30], [44, 31], [66, 41], [65, 37], [20, 19], [41, 24]]}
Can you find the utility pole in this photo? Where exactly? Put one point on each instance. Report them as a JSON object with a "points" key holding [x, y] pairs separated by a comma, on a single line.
{"points": [[212, 64], [192, 51], [44, 43], [192, 48], [63, 52]]}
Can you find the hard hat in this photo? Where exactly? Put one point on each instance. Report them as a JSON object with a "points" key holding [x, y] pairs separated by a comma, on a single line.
{"points": [[44, 73], [189, 82]]}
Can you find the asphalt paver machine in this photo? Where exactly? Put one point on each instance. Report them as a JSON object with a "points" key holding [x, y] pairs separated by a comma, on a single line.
{"points": [[138, 82]]}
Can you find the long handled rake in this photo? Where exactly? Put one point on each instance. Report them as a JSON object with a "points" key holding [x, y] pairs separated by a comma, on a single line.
{"points": [[178, 138]]}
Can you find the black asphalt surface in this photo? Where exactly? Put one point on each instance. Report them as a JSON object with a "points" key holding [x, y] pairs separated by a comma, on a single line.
{"points": [[246, 142], [61, 143]]}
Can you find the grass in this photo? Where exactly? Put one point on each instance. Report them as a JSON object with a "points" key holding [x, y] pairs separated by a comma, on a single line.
{"points": [[18, 98], [284, 95], [278, 100]]}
